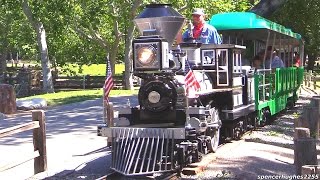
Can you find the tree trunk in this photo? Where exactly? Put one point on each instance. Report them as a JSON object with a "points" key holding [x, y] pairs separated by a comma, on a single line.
{"points": [[3, 66], [42, 43], [8, 99], [311, 60], [128, 48], [45, 63], [127, 59], [115, 46], [4, 51], [266, 8]]}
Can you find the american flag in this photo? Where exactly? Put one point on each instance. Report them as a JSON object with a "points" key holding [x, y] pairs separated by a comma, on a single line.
{"points": [[108, 83], [191, 82]]}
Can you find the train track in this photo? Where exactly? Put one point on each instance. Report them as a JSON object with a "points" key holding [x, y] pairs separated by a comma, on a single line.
{"points": [[190, 169]]}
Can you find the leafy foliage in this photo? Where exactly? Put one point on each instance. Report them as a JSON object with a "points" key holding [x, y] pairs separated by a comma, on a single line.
{"points": [[16, 33], [303, 16], [96, 19], [85, 32]]}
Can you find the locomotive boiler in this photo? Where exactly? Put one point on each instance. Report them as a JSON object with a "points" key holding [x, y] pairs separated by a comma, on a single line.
{"points": [[192, 96]]}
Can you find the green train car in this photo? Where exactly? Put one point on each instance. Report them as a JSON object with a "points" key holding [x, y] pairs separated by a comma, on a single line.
{"points": [[275, 88]]}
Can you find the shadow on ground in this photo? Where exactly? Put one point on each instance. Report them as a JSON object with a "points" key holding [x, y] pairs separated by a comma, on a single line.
{"points": [[250, 168], [93, 169]]}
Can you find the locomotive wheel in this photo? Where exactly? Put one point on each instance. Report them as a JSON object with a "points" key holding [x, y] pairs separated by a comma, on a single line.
{"points": [[214, 133], [290, 104], [237, 133], [264, 120], [238, 130], [252, 122]]}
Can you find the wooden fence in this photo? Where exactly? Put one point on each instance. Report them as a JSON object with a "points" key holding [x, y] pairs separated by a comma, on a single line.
{"points": [[39, 142], [311, 78], [306, 138], [87, 82], [79, 82], [28, 80]]}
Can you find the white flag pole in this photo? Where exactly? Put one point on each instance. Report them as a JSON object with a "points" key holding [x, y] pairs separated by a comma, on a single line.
{"points": [[104, 107]]}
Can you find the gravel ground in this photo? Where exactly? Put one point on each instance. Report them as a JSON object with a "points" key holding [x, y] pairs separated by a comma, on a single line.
{"points": [[267, 151]]}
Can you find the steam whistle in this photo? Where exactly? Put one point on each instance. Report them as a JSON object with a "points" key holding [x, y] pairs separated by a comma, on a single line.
{"points": [[190, 31]]}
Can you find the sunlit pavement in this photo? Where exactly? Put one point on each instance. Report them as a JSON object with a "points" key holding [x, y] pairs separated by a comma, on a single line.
{"points": [[73, 146]]}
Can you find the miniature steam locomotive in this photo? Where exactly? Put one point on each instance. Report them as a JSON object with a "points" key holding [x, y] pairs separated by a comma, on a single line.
{"points": [[171, 127]]}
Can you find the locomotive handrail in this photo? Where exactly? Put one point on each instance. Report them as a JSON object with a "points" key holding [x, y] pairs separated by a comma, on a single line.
{"points": [[203, 70], [214, 90], [39, 142], [263, 85], [264, 70]]}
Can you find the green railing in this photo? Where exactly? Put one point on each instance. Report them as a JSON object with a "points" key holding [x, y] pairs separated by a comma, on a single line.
{"points": [[274, 89]]}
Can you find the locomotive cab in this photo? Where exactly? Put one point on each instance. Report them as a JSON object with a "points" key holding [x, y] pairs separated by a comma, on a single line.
{"points": [[231, 84]]}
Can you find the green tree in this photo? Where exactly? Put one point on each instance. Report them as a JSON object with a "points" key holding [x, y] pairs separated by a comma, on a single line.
{"points": [[130, 29], [5, 24], [108, 24], [42, 43], [99, 22], [303, 16], [266, 8], [14, 30]]}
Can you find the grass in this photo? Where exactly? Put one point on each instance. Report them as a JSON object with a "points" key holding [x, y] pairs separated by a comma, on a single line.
{"points": [[93, 70], [74, 69], [67, 97]]}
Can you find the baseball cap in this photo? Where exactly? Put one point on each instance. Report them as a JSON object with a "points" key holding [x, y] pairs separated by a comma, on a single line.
{"points": [[198, 11]]}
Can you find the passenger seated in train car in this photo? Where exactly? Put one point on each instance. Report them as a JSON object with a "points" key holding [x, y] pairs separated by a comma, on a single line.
{"points": [[260, 56], [276, 60], [272, 58], [257, 62], [297, 61]]}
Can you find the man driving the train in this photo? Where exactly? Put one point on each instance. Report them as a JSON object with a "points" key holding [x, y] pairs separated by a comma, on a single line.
{"points": [[201, 31]]}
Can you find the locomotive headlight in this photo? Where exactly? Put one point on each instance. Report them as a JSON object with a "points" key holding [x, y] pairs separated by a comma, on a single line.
{"points": [[146, 55], [150, 54], [154, 97]]}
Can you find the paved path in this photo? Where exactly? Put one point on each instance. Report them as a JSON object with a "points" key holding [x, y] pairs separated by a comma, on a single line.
{"points": [[73, 147]]}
